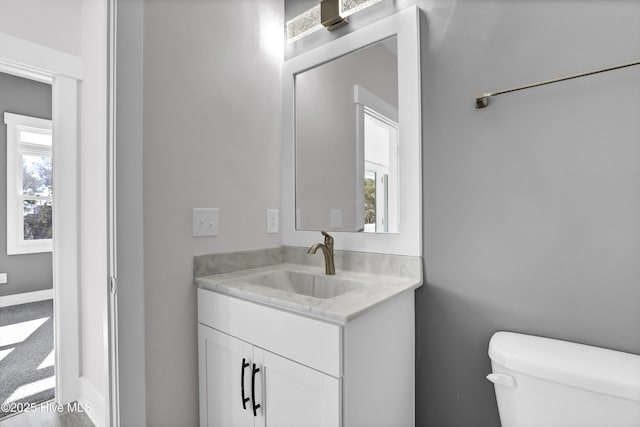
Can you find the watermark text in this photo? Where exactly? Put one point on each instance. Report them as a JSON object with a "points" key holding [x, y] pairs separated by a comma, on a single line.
{"points": [[11, 407]]}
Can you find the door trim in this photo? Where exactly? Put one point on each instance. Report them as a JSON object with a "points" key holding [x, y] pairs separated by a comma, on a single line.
{"points": [[63, 71]]}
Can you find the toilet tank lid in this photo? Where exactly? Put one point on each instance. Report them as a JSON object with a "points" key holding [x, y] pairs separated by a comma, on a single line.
{"points": [[592, 368]]}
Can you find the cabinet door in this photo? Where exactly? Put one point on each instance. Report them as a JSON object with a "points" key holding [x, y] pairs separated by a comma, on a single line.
{"points": [[220, 360], [295, 395]]}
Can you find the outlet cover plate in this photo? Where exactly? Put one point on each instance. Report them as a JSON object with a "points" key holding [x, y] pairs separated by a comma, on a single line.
{"points": [[272, 221]]}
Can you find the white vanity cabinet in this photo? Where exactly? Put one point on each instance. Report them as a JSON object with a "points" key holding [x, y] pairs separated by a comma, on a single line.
{"points": [[304, 372], [221, 381], [239, 382]]}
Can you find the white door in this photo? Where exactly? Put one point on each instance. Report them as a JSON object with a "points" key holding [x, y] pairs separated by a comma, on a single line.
{"points": [[295, 395], [225, 380]]}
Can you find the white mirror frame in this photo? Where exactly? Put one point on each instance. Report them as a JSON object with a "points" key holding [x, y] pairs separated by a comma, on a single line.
{"points": [[406, 25]]}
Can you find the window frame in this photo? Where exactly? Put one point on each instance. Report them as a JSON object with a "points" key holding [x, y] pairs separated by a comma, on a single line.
{"points": [[16, 244]]}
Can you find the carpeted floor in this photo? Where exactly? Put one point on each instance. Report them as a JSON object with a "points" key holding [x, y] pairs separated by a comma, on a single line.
{"points": [[26, 355]]}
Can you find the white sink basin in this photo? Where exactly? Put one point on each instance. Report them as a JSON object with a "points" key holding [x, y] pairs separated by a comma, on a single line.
{"points": [[304, 284]]}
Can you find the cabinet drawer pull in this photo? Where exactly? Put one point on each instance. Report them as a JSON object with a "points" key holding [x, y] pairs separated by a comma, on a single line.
{"points": [[244, 399], [253, 389]]}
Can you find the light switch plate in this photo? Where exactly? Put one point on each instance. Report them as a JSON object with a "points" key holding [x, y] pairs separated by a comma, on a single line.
{"points": [[3, 278], [273, 221], [206, 222]]}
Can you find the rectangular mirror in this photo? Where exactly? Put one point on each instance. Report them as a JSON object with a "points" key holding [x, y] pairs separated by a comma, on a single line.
{"points": [[352, 139], [346, 142]]}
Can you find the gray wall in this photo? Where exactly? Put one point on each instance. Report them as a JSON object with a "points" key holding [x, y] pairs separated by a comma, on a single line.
{"points": [[32, 272], [531, 206], [211, 139]]}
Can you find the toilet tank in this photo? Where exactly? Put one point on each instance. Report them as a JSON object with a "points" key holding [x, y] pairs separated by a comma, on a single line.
{"points": [[542, 382]]}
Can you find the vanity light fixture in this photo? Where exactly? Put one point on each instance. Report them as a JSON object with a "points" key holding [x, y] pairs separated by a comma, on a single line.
{"points": [[330, 14]]}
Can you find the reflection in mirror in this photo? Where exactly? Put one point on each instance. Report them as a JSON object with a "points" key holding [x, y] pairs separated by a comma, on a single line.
{"points": [[346, 142], [380, 172]]}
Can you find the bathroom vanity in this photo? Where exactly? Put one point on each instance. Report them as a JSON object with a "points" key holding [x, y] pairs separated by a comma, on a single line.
{"points": [[287, 345], [281, 343]]}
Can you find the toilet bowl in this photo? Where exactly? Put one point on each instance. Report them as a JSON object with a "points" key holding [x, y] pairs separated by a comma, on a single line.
{"points": [[542, 382]]}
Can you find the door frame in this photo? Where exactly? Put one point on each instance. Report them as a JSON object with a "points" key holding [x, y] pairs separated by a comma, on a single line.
{"points": [[63, 72]]}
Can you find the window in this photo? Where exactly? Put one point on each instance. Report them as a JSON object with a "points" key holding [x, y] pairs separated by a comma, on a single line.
{"points": [[29, 184]]}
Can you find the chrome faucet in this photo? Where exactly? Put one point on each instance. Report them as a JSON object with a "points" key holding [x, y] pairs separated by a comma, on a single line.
{"points": [[327, 250]]}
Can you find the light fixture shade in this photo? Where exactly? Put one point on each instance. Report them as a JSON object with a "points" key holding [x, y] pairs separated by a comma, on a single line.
{"points": [[349, 7], [305, 23]]}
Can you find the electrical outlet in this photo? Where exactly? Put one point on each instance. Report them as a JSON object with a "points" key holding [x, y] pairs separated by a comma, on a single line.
{"points": [[206, 222], [272, 221], [3, 278]]}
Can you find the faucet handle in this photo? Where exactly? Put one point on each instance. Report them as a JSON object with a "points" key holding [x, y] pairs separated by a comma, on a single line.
{"points": [[328, 239]]}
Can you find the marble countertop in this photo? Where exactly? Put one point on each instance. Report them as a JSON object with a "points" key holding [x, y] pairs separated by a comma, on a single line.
{"points": [[375, 289]]}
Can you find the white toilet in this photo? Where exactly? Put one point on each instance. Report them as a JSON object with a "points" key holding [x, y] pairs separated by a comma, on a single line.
{"points": [[541, 382]]}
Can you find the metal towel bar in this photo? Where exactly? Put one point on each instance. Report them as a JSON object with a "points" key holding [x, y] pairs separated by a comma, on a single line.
{"points": [[483, 100]]}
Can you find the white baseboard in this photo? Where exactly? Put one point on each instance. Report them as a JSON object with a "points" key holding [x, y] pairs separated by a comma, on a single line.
{"points": [[91, 399], [26, 297]]}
